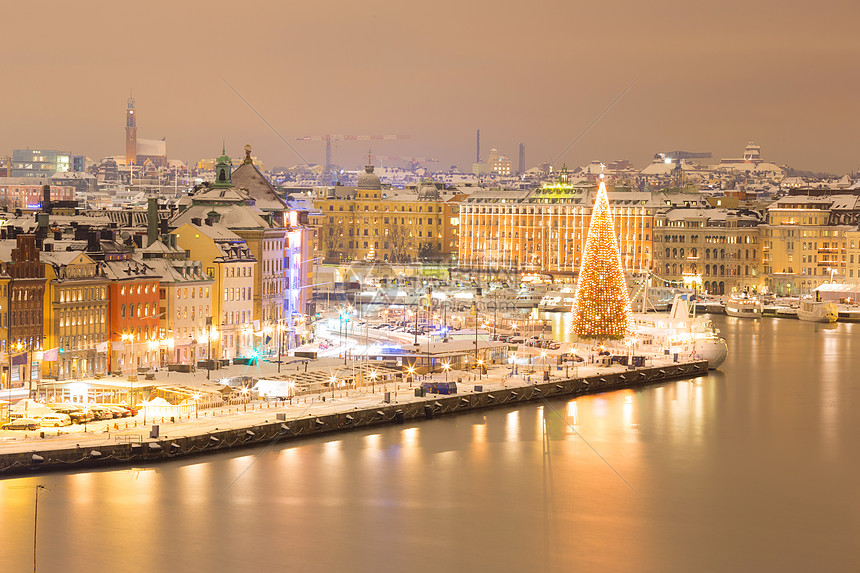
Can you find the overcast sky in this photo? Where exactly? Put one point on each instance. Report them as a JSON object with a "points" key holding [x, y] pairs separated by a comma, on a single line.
{"points": [[712, 77]]}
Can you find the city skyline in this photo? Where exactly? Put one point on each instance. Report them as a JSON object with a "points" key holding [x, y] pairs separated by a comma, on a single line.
{"points": [[705, 78]]}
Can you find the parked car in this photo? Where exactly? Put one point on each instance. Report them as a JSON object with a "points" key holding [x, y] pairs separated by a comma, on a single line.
{"points": [[55, 420], [101, 413], [77, 414], [118, 411], [22, 424]]}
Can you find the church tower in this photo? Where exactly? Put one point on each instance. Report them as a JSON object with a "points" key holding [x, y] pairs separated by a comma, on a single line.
{"points": [[130, 134], [223, 170]]}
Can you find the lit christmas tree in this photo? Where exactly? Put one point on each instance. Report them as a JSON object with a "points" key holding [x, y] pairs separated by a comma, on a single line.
{"points": [[601, 305]]}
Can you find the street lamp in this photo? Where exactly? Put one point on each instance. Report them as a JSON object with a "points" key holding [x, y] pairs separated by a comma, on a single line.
{"points": [[372, 381], [480, 368], [213, 332], [411, 371], [331, 382], [245, 397], [196, 405], [446, 366]]}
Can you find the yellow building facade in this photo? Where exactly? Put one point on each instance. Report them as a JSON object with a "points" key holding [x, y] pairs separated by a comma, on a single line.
{"points": [[801, 248]]}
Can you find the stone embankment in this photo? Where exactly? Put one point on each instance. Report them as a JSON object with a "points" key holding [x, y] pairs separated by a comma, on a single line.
{"points": [[285, 428]]}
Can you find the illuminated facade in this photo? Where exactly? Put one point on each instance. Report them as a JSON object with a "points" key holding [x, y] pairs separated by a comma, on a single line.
{"points": [[369, 223], [133, 315], [716, 251], [185, 302], [76, 315], [24, 301], [232, 266], [544, 230], [804, 241]]}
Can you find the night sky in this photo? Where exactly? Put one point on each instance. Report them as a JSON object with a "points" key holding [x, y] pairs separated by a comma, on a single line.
{"points": [[707, 77]]}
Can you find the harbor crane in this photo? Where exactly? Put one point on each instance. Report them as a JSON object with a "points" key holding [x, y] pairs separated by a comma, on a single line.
{"points": [[329, 138]]}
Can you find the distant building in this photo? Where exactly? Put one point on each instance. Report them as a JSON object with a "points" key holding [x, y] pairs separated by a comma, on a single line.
{"points": [[43, 163], [28, 193], [369, 223], [138, 150]]}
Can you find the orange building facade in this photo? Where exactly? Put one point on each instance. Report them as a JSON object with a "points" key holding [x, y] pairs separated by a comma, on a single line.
{"points": [[544, 230]]}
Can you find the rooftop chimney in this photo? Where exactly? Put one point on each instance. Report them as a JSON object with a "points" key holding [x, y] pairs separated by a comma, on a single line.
{"points": [[151, 220]]}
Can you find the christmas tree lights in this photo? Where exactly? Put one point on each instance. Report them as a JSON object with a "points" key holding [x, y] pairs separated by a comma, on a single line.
{"points": [[601, 305]]}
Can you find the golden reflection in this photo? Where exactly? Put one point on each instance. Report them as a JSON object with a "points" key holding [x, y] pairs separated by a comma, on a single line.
{"points": [[627, 408], [479, 433], [409, 437], [512, 426], [372, 441], [539, 420]]}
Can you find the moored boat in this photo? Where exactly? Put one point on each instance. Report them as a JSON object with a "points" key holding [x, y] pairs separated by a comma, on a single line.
{"points": [[743, 305], [681, 332], [812, 310]]}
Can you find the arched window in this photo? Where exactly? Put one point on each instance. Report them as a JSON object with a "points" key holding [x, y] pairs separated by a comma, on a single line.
{"points": [[722, 272]]}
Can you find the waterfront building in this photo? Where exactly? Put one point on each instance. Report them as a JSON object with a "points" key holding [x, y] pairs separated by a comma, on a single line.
{"points": [[133, 313], [852, 267], [370, 223], [231, 264], [804, 243], [544, 230], [25, 292], [185, 299], [713, 250], [4, 326], [76, 315]]}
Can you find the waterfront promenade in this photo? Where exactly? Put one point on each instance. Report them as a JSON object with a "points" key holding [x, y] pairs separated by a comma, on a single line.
{"points": [[128, 440]]}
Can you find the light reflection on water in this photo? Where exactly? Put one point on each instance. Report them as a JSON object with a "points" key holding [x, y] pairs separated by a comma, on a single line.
{"points": [[753, 467]]}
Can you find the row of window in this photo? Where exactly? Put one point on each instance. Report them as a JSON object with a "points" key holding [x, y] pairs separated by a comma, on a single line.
{"points": [[237, 293], [138, 289], [387, 208], [82, 294], [141, 310], [192, 292]]}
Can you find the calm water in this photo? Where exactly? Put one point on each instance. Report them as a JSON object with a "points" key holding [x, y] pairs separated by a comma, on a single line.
{"points": [[754, 468]]}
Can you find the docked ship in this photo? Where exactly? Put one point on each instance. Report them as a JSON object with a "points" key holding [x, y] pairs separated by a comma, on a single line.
{"points": [[812, 310], [743, 305], [682, 332]]}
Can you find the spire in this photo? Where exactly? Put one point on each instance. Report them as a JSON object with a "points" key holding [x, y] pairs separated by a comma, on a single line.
{"points": [[223, 169]]}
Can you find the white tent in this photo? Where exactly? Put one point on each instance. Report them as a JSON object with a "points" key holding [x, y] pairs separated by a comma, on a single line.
{"points": [[29, 408]]}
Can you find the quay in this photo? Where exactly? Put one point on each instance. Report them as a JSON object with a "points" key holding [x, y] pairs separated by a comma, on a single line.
{"points": [[269, 422]]}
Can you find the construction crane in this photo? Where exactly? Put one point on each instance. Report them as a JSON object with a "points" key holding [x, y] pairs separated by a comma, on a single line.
{"points": [[413, 161], [677, 157], [329, 138]]}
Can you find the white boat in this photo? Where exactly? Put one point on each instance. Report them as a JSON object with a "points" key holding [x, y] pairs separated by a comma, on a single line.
{"points": [[743, 305], [682, 332], [812, 310], [558, 300]]}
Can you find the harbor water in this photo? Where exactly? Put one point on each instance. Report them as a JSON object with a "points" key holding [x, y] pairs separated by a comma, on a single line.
{"points": [[752, 468]]}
